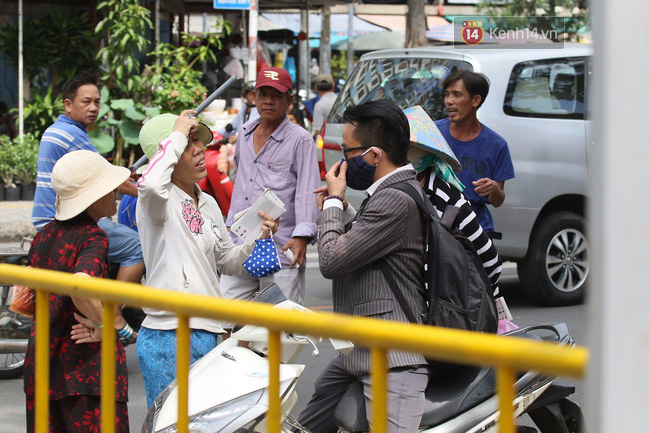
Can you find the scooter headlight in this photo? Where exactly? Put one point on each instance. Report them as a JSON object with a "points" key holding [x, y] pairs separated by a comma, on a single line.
{"points": [[214, 419], [217, 418]]}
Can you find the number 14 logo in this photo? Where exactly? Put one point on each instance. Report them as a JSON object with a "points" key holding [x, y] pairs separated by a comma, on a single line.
{"points": [[472, 32]]}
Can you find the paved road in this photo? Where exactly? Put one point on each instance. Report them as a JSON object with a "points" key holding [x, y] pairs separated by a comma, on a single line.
{"points": [[319, 297]]}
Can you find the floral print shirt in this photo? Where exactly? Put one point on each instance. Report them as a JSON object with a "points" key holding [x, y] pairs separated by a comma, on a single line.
{"points": [[77, 245]]}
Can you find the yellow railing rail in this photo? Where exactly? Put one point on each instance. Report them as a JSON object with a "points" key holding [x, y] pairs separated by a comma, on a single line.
{"points": [[508, 355]]}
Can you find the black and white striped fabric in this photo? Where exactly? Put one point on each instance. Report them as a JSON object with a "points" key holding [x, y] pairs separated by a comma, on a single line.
{"points": [[443, 194]]}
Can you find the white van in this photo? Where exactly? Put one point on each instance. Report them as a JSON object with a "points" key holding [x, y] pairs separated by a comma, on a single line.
{"points": [[538, 102]]}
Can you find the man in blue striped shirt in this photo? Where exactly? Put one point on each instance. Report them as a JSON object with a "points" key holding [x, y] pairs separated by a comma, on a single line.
{"points": [[81, 103]]}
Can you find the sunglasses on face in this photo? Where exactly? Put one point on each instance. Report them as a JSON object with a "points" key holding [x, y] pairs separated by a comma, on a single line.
{"points": [[352, 149]]}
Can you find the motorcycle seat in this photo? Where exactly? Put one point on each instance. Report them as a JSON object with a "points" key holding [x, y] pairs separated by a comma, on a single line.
{"points": [[450, 391]]}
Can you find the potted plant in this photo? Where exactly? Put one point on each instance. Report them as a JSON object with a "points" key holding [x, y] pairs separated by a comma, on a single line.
{"points": [[8, 169], [3, 139], [26, 162]]}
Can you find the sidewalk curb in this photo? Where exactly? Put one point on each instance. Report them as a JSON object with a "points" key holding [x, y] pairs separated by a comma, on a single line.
{"points": [[15, 231], [15, 220]]}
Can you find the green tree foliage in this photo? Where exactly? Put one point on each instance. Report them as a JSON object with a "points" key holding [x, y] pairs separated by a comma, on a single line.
{"points": [[41, 112], [57, 43], [575, 11], [125, 25], [173, 82], [339, 65]]}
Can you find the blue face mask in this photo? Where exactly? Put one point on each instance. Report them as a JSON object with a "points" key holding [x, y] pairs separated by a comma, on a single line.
{"points": [[359, 175]]}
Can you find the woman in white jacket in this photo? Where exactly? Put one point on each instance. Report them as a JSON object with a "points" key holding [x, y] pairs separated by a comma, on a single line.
{"points": [[185, 242]]}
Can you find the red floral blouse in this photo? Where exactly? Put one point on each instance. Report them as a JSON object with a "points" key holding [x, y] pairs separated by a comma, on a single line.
{"points": [[78, 245]]}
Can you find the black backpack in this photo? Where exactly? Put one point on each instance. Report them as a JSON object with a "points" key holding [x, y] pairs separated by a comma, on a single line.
{"points": [[458, 290]]}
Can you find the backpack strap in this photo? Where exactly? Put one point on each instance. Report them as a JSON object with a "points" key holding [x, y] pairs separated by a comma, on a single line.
{"points": [[449, 216], [401, 300], [415, 195], [411, 191]]}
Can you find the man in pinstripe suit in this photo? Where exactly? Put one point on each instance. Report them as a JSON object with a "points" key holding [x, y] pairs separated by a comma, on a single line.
{"points": [[387, 230]]}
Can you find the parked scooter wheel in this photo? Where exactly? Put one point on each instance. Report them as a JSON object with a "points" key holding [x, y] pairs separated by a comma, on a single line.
{"points": [[12, 365], [13, 328]]}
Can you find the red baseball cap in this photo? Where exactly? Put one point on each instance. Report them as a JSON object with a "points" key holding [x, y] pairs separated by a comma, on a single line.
{"points": [[277, 78]]}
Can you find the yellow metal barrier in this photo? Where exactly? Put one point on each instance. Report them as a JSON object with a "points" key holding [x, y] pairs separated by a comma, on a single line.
{"points": [[506, 354]]}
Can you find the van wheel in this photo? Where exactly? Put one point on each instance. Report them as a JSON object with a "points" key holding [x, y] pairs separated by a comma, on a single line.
{"points": [[555, 269]]}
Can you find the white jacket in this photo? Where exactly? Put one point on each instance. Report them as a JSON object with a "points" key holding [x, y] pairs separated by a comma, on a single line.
{"points": [[183, 247]]}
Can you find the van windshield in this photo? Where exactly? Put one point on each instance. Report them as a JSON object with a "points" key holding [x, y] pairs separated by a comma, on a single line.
{"points": [[405, 81]]}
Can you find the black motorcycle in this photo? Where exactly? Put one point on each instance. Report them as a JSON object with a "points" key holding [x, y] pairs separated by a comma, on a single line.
{"points": [[14, 328]]}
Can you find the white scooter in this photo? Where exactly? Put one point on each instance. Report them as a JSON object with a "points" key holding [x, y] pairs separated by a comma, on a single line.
{"points": [[228, 389], [229, 386]]}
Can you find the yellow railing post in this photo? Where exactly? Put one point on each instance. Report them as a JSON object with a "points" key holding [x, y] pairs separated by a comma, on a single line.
{"points": [[379, 389], [273, 418], [108, 369], [42, 361], [506, 391], [182, 372]]}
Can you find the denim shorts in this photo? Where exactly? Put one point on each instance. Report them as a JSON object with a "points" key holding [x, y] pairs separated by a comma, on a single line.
{"points": [[123, 243]]}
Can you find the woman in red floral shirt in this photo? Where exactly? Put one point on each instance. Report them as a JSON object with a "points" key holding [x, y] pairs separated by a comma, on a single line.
{"points": [[85, 184]]}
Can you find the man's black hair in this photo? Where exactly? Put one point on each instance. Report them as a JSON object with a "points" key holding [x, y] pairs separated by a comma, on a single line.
{"points": [[383, 124], [247, 87], [325, 87], [475, 83], [70, 87]]}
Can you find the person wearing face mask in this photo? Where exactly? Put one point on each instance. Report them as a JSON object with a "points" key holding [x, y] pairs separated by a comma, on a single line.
{"points": [[387, 227], [185, 242]]}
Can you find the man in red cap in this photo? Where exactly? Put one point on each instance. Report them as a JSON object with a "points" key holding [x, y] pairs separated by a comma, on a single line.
{"points": [[274, 153]]}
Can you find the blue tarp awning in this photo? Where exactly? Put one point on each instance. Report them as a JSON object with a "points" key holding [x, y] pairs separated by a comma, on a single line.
{"points": [[338, 24]]}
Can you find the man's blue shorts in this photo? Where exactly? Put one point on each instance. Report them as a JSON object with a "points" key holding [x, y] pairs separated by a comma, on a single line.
{"points": [[123, 243]]}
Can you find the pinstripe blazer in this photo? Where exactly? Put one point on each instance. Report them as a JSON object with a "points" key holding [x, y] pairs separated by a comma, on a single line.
{"points": [[388, 228]]}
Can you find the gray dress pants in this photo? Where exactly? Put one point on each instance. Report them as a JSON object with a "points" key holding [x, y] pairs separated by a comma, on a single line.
{"points": [[406, 388]]}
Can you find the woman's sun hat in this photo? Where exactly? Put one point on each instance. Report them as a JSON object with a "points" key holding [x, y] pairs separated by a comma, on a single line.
{"points": [[159, 127], [82, 177], [426, 138]]}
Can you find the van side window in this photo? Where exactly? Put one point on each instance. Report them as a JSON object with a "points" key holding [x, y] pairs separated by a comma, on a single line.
{"points": [[552, 88]]}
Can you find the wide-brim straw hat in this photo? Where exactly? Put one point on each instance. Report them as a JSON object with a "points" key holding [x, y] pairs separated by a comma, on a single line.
{"points": [[159, 127], [82, 177]]}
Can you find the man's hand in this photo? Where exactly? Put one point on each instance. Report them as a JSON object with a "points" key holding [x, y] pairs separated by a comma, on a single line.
{"points": [[268, 226], [487, 187], [299, 247], [335, 178], [232, 139], [186, 122], [322, 193]]}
